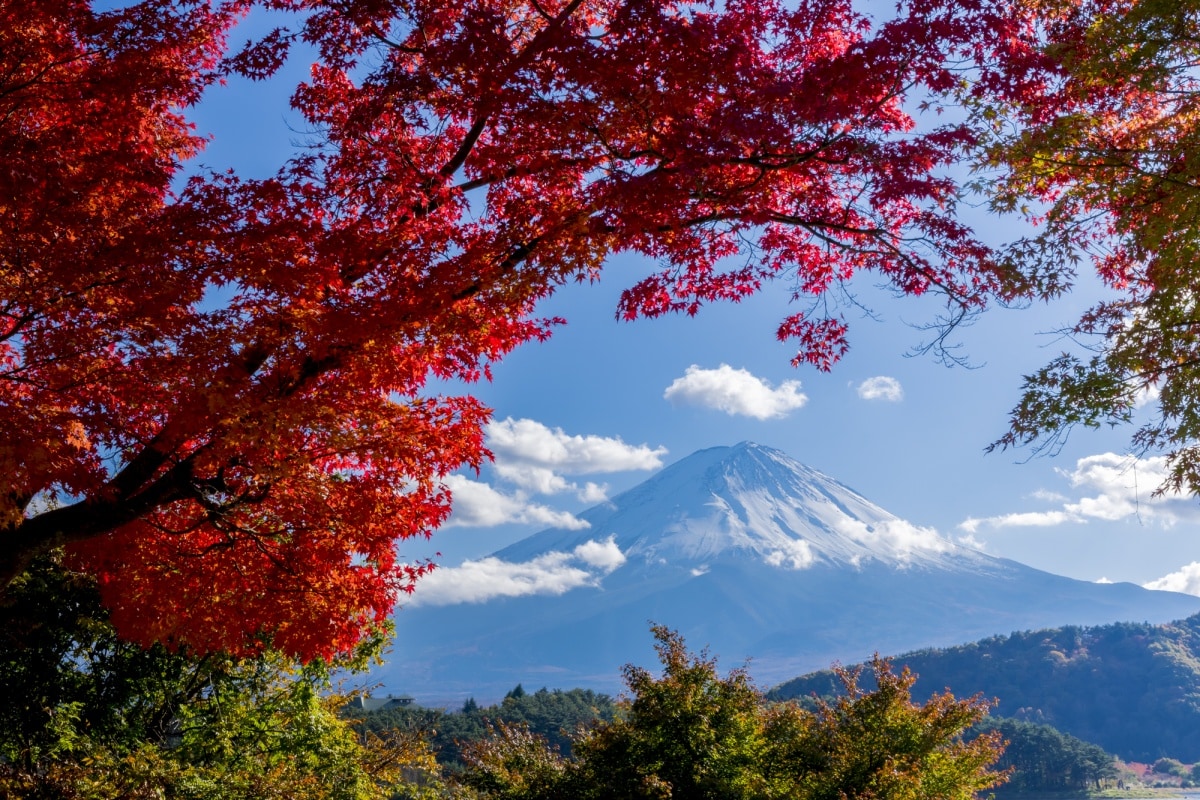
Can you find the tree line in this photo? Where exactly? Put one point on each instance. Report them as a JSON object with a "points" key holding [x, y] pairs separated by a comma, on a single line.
{"points": [[554, 715], [1041, 759], [1036, 757]]}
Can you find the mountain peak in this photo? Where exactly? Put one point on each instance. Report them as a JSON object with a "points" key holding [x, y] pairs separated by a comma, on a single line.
{"points": [[750, 501]]}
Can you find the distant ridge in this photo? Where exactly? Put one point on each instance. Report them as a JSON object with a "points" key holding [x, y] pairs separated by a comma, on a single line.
{"points": [[1132, 688], [755, 555]]}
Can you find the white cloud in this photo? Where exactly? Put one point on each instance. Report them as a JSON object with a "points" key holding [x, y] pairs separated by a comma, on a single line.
{"points": [[552, 573], [897, 535], [541, 480], [1108, 487], [795, 554], [881, 387], [1146, 396], [973, 543], [602, 555], [1021, 519], [479, 505], [593, 492], [1103, 580], [1125, 486], [531, 444], [1186, 579], [736, 392], [536, 458]]}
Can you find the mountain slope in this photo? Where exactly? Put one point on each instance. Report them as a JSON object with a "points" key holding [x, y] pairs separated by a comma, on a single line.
{"points": [[751, 501], [1133, 688], [753, 554]]}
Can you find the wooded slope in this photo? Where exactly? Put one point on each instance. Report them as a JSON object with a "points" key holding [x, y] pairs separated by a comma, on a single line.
{"points": [[1132, 688]]}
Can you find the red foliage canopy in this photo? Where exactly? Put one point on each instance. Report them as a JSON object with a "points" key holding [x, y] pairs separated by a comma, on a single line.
{"points": [[214, 398]]}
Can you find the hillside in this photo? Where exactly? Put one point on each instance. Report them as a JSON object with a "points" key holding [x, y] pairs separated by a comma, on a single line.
{"points": [[1132, 688]]}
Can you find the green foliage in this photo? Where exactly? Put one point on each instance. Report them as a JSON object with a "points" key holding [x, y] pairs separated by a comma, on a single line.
{"points": [[688, 733], [1108, 161], [1171, 766], [693, 734], [1131, 688], [512, 763], [90, 716], [1043, 759], [553, 715], [881, 744], [66, 676]]}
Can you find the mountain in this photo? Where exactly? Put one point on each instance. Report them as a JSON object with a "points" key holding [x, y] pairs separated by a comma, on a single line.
{"points": [[742, 549], [1132, 688]]}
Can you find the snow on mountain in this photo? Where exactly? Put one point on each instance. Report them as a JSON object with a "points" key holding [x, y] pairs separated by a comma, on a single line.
{"points": [[751, 501], [744, 550]]}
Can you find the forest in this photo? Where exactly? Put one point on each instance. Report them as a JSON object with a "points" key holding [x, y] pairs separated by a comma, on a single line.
{"points": [[1132, 688]]}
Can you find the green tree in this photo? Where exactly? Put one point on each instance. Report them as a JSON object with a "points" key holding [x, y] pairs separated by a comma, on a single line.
{"points": [[511, 763], [882, 744], [1171, 766], [688, 733], [556, 716], [88, 715], [1110, 148], [691, 733], [1043, 759]]}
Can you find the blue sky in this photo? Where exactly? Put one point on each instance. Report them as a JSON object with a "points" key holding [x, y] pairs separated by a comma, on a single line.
{"points": [[604, 403], [905, 431]]}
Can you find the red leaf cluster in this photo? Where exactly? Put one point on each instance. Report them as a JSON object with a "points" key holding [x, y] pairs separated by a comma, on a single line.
{"points": [[215, 399]]}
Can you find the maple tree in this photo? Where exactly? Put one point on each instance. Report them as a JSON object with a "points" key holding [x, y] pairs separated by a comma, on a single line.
{"points": [[213, 388], [1110, 153]]}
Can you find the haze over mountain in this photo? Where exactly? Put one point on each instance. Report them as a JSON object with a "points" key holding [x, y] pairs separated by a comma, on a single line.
{"points": [[743, 550]]}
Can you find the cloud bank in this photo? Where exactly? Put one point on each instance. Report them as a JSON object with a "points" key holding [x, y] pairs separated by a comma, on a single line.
{"points": [[896, 535], [737, 392], [479, 505], [1186, 580], [537, 458], [552, 573], [1106, 487], [527, 441], [532, 459]]}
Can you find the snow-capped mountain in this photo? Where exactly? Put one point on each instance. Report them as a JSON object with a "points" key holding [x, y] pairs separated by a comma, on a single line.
{"points": [[743, 550], [753, 502]]}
